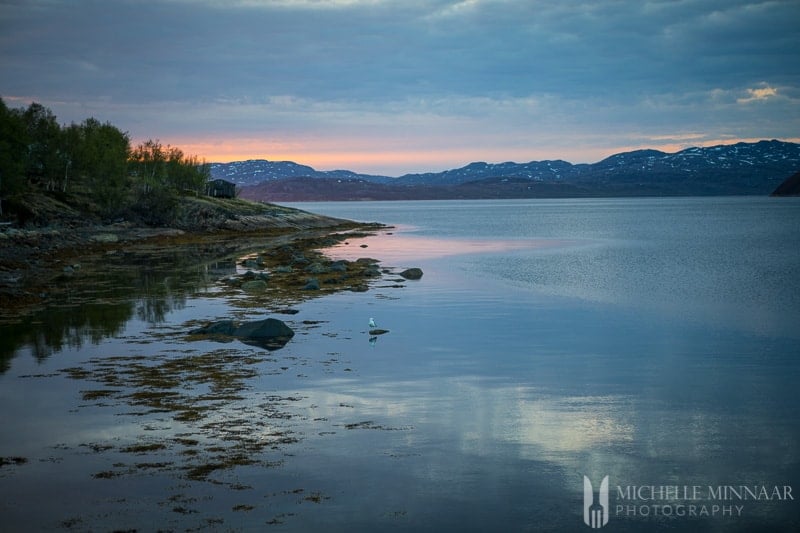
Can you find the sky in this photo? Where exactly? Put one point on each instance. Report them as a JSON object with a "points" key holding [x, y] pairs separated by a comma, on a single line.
{"points": [[397, 86]]}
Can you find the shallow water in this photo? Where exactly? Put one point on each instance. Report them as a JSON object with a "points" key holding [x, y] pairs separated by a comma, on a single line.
{"points": [[653, 341]]}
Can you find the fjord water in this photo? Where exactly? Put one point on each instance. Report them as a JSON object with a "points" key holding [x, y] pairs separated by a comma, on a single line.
{"points": [[654, 341]]}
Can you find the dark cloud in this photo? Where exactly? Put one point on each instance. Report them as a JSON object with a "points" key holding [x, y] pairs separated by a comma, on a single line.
{"points": [[639, 66]]}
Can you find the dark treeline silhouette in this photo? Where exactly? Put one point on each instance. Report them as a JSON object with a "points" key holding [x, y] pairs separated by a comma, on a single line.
{"points": [[90, 167]]}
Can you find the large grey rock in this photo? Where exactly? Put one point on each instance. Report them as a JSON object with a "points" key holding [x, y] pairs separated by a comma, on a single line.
{"points": [[221, 327], [263, 329], [412, 273], [269, 333]]}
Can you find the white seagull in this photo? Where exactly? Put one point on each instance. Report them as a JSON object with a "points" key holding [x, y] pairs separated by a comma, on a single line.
{"points": [[372, 323]]}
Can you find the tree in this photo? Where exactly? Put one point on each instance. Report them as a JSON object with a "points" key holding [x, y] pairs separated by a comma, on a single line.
{"points": [[45, 155], [186, 174], [13, 148], [97, 156], [157, 166], [148, 165], [91, 166]]}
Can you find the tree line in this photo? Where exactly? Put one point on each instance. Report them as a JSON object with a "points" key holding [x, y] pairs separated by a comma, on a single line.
{"points": [[92, 166]]}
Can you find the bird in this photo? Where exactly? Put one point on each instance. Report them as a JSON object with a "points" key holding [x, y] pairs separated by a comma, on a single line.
{"points": [[372, 323]]}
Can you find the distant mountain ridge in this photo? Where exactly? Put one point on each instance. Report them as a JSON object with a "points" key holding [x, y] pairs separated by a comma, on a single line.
{"points": [[738, 169], [255, 171]]}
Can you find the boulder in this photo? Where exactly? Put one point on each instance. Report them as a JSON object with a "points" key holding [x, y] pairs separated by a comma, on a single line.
{"points": [[372, 271], [252, 263], [256, 285], [338, 266], [299, 259], [317, 268], [233, 281], [312, 284], [221, 327], [263, 329], [269, 333], [412, 273]]}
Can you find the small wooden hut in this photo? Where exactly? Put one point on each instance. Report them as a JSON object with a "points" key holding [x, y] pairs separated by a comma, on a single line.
{"points": [[220, 188]]}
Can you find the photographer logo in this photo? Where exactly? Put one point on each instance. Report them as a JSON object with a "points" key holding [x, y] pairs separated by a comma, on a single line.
{"points": [[595, 512]]}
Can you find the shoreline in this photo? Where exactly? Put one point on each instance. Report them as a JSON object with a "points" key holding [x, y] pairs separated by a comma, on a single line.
{"points": [[41, 266]]}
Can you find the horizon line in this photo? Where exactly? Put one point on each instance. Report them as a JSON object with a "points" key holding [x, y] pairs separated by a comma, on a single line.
{"points": [[668, 149]]}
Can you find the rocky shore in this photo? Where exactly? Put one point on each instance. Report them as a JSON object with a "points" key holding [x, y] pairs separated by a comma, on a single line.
{"points": [[40, 264]]}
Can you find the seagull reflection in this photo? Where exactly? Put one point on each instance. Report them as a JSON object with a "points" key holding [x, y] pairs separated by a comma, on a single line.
{"points": [[373, 340]]}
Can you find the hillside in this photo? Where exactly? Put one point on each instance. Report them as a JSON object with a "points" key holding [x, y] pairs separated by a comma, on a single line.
{"points": [[790, 187], [739, 169]]}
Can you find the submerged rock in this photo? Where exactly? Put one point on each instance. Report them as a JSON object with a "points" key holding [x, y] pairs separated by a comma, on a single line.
{"points": [[371, 271], [257, 285], [412, 273]]}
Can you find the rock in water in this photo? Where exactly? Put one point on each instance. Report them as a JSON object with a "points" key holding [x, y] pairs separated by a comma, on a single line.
{"points": [[257, 285], [378, 331], [221, 327], [412, 273], [269, 333]]}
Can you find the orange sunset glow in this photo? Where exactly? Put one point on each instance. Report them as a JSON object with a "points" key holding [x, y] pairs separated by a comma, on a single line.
{"points": [[373, 157]]}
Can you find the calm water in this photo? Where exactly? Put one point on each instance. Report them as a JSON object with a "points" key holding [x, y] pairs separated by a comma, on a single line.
{"points": [[654, 341]]}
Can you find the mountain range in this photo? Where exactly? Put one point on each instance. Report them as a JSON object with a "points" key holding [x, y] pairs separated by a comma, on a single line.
{"points": [[737, 169]]}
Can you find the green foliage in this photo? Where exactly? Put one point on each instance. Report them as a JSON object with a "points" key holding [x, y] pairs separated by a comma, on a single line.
{"points": [[12, 153], [166, 167], [96, 158], [45, 155], [93, 165], [161, 174], [156, 207]]}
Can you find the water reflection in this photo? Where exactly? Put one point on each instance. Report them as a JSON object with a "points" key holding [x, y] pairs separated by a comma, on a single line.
{"points": [[59, 327], [481, 414], [100, 300], [393, 247]]}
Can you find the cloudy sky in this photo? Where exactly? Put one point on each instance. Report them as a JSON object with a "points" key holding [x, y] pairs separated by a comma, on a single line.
{"points": [[396, 86]]}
